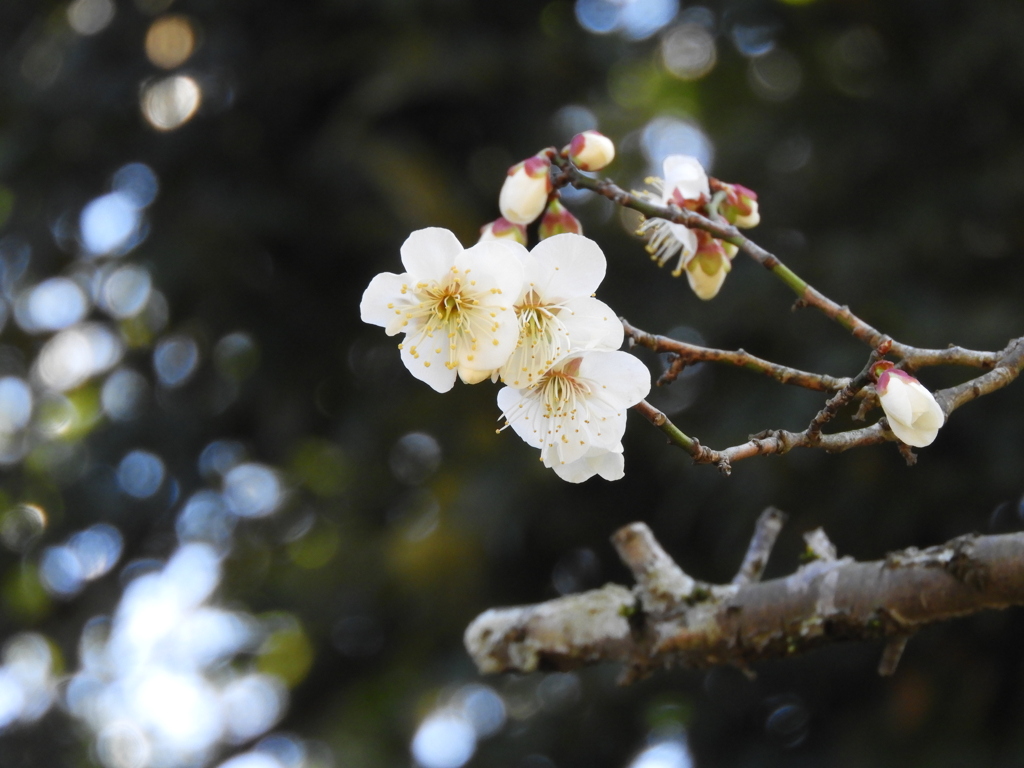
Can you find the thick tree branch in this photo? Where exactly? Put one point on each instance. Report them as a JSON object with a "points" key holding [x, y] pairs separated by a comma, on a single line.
{"points": [[670, 619]]}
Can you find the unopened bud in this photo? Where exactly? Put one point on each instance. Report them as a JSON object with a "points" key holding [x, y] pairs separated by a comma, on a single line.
{"points": [[591, 151], [502, 228], [525, 191], [912, 411], [557, 221], [740, 206]]}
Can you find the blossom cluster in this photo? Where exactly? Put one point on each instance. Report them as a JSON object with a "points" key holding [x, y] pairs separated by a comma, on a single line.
{"points": [[529, 318], [705, 259]]}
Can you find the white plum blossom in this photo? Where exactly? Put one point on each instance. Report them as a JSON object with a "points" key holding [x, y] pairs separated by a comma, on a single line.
{"points": [[913, 414], [685, 184], [576, 413], [591, 150], [524, 194], [556, 308], [454, 305]]}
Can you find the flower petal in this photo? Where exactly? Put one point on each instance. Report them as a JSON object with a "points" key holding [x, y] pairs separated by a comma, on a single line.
{"points": [[608, 464], [685, 174], [490, 347], [427, 359], [383, 301], [912, 436], [895, 401], [492, 268], [524, 414], [591, 324], [621, 379], [704, 285], [429, 253], [565, 266]]}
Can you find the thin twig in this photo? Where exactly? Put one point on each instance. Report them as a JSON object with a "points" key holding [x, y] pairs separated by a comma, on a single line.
{"points": [[1005, 371], [766, 531], [693, 353]]}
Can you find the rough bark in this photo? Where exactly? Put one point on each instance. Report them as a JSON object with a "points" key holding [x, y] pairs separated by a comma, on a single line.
{"points": [[669, 619]]}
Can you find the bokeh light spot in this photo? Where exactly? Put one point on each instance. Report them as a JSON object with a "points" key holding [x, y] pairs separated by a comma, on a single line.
{"points": [[60, 571], [776, 76], [138, 182], [126, 290], [123, 394], [175, 359], [15, 404], [664, 136], [122, 744], [236, 356], [666, 754], [170, 103], [252, 704], [140, 474], [170, 41], [109, 222], [639, 19], [21, 526], [415, 457], [87, 17], [52, 305], [205, 517], [689, 52], [252, 490], [482, 708], [444, 740], [76, 354], [98, 548], [219, 457]]}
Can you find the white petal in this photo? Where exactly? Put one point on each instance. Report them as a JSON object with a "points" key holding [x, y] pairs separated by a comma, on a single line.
{"points": [[896, 402], [591, 324], [383, 301], [568, 265], [496, 340], [704, 285], [608, 464], [426, 358], [469, 376], [493, 271], [524, 414], [686, 174], [911, 436], [622, 380], [429, 253], [522, 197]]}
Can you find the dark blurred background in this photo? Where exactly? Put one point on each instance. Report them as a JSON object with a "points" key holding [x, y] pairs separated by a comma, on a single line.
{"points": [[193, 196]]}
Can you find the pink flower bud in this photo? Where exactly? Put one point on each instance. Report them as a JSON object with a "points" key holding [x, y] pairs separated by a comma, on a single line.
{"points": [[557, 221], [739, 206], [591, 151], [525, 191], [503, 228], [913, 414]]}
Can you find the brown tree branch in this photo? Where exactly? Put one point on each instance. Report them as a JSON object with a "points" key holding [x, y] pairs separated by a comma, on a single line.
{"points": [[1005, 370], [670, 619], [807, 295]]}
